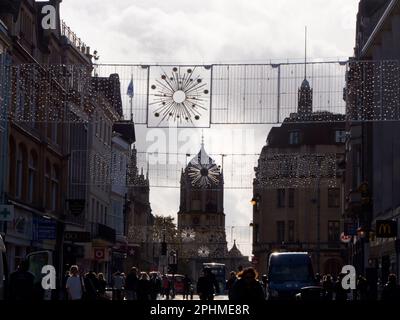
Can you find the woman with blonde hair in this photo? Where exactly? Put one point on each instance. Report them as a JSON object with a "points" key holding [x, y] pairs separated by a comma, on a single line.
{"points": [[247, 287]]}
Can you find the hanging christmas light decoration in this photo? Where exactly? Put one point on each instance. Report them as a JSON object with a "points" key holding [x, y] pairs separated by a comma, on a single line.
{"points": [[188, 235], [203, 252], [179, 95]]}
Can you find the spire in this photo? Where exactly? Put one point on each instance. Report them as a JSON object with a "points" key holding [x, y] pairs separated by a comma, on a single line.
{"points": [[147, 172], [202, 138], [305, 53]]}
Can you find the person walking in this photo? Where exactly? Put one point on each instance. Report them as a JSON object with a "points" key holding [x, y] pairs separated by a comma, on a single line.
{"points": [[340, 292], [207, 285], [75, 286], [22, 283], [143, 289], [131, 284], [391, 290], [247, 287], [155, 286], [186, 287], [101, 286], [230, 282], [91, 286], [166, 287], [118, 286], [328, 287]]}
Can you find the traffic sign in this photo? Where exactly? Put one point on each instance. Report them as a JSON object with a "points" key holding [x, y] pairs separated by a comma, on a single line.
{"points": [[6, 213], [99, 253], [345, 238]]}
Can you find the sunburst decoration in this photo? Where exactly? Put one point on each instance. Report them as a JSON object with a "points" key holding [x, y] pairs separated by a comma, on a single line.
{"points": [[204, 175], [203, 252], [179, 95], [188, 235]]}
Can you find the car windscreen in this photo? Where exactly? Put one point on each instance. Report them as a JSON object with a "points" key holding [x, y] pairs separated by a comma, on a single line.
{"points": [[291, 272]]}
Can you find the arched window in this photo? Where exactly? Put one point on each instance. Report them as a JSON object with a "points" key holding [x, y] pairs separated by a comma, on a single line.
{"points": [[21, 172], [32, 176], [55, 187]]}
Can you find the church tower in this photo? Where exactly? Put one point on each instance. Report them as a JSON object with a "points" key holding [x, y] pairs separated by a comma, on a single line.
{"points": [[201, 212], [305, 94]]}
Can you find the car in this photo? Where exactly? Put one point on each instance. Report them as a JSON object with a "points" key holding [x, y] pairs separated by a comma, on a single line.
{"points": [[3, 269], [288, 273]]}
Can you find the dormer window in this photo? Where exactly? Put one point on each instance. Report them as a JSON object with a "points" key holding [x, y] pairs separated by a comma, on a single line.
{"points": [[294, 137]]}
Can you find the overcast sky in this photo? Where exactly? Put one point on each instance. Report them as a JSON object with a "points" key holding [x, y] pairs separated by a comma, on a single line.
{"points": [[212, 31]]}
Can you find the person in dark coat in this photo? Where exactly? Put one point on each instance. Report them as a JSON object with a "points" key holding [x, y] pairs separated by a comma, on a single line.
{"points": [[186, 287], [155, 286], [328, 286], [230, 282], [247, 287], [101, 286], [131, 284], [91, 286], [391, 290], [207, 285], [143, 288], [21, 283], [340, 292]]}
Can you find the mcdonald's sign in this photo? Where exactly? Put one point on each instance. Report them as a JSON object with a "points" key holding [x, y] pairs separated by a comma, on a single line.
{"points": [[386, 229]]}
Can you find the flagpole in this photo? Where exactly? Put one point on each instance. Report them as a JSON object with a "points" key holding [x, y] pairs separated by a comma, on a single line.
{"points": [[131, 100]]}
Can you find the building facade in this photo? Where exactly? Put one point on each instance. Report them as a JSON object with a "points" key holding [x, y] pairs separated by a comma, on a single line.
{"points": [[297, 194], [372, 148]]}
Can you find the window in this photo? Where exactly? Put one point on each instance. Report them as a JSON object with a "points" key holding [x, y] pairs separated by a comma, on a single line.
{"points": [[32, 177], [55, 181], [333, 198], [47, 184], [281, 198], [20, 172], [280, 231], [333, 231], [291, 231], [291, 198], [294, 137], [340, 136]]}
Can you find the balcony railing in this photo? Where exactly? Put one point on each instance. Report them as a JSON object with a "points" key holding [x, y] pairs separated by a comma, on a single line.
{"points": [[73, 39]]}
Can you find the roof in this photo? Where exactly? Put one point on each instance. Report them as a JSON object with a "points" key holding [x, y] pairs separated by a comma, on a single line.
{"points": [[126, 129], [202, 157], [234, 252]]}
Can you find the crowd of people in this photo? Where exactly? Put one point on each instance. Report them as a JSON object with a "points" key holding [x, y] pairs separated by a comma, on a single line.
{"points": [[244, 285]]}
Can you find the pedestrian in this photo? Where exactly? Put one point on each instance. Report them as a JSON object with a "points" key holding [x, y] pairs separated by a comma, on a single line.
{"points": [[74, 285], [64, 293], [186, 287], [91, 286], [22, 283], [230, 282], [247, 287], [391, 290], [207, 285], [362, 288], [118, 286], [155, 286], [328, 287], [102, 286], [340, 292], [131, 284], [166, 286], [143, 289]]}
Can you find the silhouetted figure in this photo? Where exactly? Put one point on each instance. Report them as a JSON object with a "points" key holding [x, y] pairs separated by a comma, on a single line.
{"points": [[131, 283], [391, 290], [186, 287], [230, 282], [207, 285], [22, 283], [328, 286], [340, 292], [362, 288], [247, 287], [143, 289], [91, 286], [155, 286], [101, 285]]}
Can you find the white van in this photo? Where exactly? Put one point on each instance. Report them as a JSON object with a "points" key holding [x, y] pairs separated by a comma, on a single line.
{"points": [[3, 269]]}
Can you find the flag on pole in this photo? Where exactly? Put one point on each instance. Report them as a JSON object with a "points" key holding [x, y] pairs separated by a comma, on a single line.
{"points": [[130, 91]]}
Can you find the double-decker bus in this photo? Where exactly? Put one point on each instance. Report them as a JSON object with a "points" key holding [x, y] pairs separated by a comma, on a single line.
{"points": [[219, 271]]}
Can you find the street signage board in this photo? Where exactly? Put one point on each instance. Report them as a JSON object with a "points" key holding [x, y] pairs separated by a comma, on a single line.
{"points": [[6, 213], [386, 229], [76, 206], [44, 229], [77, 236]]}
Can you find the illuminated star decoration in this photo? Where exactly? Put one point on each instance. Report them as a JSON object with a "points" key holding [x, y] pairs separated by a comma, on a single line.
{"points": [[203, 171], [203, 252], [179, 96], [188, 235]]}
